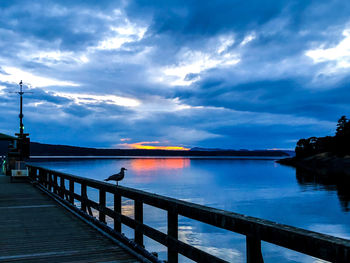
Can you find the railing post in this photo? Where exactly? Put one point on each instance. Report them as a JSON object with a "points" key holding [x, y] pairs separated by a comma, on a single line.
{"points": [[102, 203], [254, 254], [172, 232], [46, 181], [32, 173], [117, 209], [83, 196], [138, 210], [49, 181], [43, 178], [62, 187], [55, 183], [49, 187], [40, 176], [71, 191]]}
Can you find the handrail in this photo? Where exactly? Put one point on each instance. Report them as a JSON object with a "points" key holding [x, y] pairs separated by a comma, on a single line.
{"points": [[318, 245]]}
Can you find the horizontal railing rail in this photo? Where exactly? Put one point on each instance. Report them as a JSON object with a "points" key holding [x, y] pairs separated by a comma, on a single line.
{"points": [[314, 244]]}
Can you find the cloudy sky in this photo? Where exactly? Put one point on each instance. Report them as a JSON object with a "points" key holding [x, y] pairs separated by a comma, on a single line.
{"points": [[231, 74]]}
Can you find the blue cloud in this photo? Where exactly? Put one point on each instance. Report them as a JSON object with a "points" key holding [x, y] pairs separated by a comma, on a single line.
{"points": [[231, 74]]}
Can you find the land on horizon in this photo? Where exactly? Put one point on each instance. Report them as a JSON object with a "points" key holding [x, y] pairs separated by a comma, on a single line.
{"points": [[41, 149]]}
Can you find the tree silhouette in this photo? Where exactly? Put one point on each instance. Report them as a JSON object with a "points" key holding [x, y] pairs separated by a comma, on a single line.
{"points": [[338, 144], [342, 126]]}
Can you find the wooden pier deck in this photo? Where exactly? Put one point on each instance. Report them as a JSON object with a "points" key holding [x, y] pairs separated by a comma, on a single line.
{"points": [[35, 228], [42, 223]]}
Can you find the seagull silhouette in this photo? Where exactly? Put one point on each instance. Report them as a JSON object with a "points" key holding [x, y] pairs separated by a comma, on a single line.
{"points": [[117, 177]]}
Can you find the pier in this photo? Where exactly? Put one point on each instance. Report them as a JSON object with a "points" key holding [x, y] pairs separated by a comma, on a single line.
{"points": [[35, 228], [52, 215]]}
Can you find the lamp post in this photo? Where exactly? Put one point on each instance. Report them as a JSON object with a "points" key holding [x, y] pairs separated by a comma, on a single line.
{"points": [[21, 126], [23, 142]]}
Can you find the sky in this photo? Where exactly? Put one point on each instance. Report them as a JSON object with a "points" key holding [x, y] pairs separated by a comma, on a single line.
{"points": [[239, 74]]}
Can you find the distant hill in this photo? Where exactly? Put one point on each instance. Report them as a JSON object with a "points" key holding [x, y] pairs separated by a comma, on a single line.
{"points": [[40, 149], [207, 149], [289, 152]]}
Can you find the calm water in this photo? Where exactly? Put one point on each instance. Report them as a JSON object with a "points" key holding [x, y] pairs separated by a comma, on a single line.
{"points": [[260, 188]]}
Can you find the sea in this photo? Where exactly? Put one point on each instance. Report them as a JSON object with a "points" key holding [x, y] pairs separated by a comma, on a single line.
{"points": [[257, 187]]}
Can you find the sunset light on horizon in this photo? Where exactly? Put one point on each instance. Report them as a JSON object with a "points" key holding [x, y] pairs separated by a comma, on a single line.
{"points": [[149, 146]]}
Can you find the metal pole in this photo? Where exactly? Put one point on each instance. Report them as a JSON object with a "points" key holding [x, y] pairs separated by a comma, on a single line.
{"points": [[21, 127]]}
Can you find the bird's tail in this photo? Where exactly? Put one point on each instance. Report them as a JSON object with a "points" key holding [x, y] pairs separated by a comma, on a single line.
{"points": [[106, 179]]}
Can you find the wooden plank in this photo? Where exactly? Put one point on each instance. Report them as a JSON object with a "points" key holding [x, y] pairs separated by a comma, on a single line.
{"points": [[55, 185], [62, 188], [83, 195], [71, 191], [47, 232], [138, 211], [172, 232], [118, 209], [254, 254], [50, 182], [102, 203], [142, 253]]}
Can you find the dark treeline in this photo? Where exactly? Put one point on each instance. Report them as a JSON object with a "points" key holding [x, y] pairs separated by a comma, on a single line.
{"points": [[338, 145]]}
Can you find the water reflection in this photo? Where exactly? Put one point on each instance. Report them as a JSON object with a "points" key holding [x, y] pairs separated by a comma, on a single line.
{"points": [[150, 170], [128, 208], [144, 165], [328, 182], [195, 235]]}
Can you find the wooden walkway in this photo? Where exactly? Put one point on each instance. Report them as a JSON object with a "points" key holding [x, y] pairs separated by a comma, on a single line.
{"points": [[35, 228]]}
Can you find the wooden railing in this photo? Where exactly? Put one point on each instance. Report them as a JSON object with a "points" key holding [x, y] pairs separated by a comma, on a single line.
{"points": [[256, 230]]}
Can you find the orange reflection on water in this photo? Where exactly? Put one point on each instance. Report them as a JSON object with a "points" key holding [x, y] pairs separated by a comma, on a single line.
{"points": [[141, 165]]}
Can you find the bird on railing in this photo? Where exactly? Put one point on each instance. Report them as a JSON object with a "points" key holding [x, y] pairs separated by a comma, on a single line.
{"points": [[117, 177]]}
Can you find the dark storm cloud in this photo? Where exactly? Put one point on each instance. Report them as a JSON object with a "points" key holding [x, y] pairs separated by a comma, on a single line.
{"points": [[41, 95], [187, 22], [73, 23], [285, 96], [208, 17], [77, 110]]}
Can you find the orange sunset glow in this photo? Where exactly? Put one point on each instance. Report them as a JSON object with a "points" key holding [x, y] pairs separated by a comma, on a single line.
{"points": [[149, 146], [141, 165]]}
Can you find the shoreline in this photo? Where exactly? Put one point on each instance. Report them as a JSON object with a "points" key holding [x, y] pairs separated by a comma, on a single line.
{"points": [[325, 164], [160, 157]]}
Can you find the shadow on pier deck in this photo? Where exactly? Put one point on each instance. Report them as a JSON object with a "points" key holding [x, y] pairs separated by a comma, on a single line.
{"points": [[35, 228]]}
